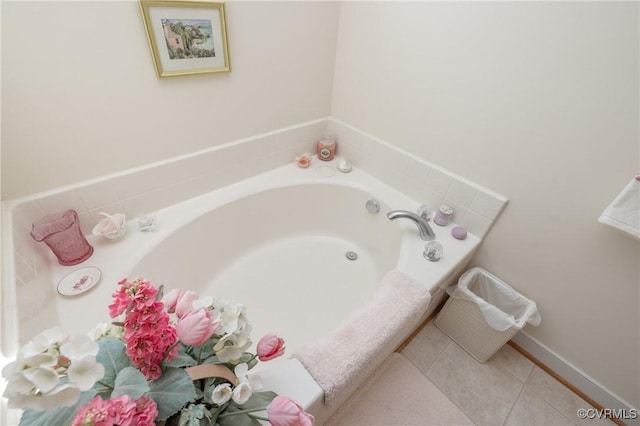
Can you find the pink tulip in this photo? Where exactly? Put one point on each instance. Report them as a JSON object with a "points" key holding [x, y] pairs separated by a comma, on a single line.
{"points": [[183, 305], [195, 327], [284, 412], [171, 299], [270, 347]]}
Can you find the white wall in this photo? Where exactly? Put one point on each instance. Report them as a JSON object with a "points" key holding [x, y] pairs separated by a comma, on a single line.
{"points": [[538, 101], [80, 98]]}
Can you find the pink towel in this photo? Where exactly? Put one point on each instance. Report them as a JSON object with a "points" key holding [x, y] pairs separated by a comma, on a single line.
{"points": [[341, 361]]}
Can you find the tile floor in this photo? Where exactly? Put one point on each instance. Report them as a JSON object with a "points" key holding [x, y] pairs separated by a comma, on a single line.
{"points": [[435, 382]]}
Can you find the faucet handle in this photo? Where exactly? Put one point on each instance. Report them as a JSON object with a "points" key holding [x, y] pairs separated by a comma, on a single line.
{"points": [[426, 212], [373, 206]]}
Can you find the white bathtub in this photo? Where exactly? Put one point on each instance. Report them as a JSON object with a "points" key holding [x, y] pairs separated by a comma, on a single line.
{"points": [[276, 243]]}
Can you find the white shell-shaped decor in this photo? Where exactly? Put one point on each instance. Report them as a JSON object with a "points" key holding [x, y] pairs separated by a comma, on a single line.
{"points": [[344, 166], [147, 223], [303, 161], [112, 226]]}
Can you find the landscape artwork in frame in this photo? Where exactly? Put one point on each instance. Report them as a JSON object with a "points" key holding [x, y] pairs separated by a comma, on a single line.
{"points": [[186, 37]]}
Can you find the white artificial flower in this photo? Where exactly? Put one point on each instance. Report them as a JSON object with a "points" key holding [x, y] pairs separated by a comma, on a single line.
{"points": [[230, 347], [62, 396], [85, 372], [227, 348], [244, 337], [79, 347], [242, 373], [47, 341], [221, 394], [106, 329], [18, 385], [43, 379], [241, 393], [44, 360], [232, 317], [33, 379]]}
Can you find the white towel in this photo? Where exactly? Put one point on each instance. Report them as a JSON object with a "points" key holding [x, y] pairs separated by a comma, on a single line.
{"points": [[341, 361], [624, 211]]}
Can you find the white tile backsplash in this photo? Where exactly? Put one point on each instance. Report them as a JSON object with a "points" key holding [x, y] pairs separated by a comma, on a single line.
{"points": [[475, 207], [147, 189], [65, 200], [487, 205], [439, 181], [461, 192]]}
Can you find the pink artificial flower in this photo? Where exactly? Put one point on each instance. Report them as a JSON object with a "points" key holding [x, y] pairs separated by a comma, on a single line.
{"points": [[146, 411], [270, 347], [183, 305], [284, 412], [171, 299], [93, 413], [121, 298], [145, 293], [148, 335], [195, 327], [122, 410]]}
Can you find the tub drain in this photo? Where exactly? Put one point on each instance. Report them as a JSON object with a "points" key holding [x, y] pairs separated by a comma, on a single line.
{"points": [[351, 255]]}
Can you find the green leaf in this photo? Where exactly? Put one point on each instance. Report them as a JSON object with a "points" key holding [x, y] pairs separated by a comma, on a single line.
{"points": [[131, 382], [113, 357], [195, 415], [205, 350], [183, 359], [212, 360], [171, 392], [55, 416], [238, 419], [258, 400]]}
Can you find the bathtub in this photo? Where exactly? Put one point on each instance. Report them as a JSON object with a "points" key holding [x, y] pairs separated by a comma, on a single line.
{"points": [[282, 243]]}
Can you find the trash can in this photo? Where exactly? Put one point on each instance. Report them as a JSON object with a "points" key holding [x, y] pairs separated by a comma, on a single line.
{"points": [[483, 313]]}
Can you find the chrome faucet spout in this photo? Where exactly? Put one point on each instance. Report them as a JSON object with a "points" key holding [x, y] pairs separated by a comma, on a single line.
{"points": [[426, 233]]}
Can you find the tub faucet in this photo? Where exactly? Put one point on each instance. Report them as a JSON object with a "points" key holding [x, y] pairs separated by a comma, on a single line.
{"points": [[426, 233]]}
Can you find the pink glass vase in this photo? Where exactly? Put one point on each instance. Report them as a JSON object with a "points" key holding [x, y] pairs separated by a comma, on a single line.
{"points": [[61, 232]]}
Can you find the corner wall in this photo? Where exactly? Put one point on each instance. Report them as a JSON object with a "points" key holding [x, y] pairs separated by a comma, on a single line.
{"points": [[80, 98], [538, 101]]}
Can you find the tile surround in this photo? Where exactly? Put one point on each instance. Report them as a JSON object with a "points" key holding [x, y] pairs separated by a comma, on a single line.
{"points": [[149, 188], [475, 207]]}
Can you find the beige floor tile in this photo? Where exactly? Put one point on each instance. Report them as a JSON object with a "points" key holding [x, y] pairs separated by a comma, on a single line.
{"points": [[560, 397], [514, 362], [398, 395], [531, 410], [426, 346], [485, 392]]}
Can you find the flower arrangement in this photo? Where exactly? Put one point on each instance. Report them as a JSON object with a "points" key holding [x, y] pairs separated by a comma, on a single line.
{"points": [[151, 369]]}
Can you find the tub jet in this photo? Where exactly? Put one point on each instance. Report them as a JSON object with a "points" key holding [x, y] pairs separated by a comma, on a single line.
{"points": [[351, 255]]}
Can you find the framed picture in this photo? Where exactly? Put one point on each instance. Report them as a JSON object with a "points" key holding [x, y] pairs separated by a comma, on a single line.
{"points": [[186, 36]]}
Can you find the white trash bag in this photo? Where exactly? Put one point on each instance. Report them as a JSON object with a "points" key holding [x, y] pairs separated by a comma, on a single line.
{"points": [[501, 306]]}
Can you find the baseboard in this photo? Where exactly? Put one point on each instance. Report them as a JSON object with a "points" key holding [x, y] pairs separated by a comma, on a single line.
{"points": [[577, 379]]}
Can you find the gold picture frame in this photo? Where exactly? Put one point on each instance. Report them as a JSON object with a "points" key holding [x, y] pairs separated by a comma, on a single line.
{"points": [[186, 37]]}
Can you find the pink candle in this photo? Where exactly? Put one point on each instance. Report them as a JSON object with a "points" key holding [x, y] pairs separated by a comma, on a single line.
{"points": [[326, 148]]}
